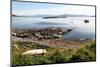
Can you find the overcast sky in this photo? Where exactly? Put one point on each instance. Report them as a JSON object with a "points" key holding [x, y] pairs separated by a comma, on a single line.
{"points": [[27, 8]]}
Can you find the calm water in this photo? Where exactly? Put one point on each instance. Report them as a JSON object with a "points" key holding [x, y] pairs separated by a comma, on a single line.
{"points": [[80, 30]]}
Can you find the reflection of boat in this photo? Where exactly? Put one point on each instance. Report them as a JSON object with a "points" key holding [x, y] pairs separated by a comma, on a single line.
{"points": [[71, 22], [69, 30], [86, 21]]}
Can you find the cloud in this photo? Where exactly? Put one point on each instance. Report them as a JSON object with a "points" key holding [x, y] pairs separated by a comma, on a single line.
{"points": [[66, 9]]}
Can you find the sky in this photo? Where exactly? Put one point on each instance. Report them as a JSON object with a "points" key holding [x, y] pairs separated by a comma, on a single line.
{"points": [[31, 9]]}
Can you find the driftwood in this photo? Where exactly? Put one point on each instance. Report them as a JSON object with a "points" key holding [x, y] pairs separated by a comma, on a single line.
{"points": [[34, 52]]}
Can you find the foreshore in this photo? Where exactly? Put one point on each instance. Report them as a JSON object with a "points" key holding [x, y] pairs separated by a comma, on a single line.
{"points": [[53, 43], [47, 37]]}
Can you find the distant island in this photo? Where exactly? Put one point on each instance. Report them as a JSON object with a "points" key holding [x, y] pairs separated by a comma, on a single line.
{"points": [[54, 17]]}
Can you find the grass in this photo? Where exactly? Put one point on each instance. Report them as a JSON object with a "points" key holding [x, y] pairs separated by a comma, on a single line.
{"points": [[86, 52]]}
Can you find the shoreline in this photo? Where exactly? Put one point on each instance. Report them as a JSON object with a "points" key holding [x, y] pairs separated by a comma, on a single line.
{"points": [[50, 37]]}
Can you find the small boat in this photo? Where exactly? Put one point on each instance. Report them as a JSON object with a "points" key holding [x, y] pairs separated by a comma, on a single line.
{"points": [[86, 21]]}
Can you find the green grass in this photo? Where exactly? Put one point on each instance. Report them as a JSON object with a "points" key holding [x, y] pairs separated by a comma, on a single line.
{"points": [[86, 52]]}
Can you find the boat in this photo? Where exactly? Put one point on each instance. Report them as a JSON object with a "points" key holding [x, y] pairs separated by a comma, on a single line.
{"points": [[86, 21]]}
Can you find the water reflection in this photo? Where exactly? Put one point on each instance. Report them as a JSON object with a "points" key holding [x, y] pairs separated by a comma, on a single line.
{"points": [[80, 30]]}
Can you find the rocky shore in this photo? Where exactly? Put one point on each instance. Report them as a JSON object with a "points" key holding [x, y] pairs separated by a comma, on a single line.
{"points": [[47, 33], [47, 37]]}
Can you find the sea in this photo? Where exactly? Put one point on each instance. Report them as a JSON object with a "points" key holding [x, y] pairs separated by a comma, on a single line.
{"points": [[80, 29]]}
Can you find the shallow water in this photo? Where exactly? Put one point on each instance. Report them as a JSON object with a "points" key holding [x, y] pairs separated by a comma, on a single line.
{"points": [[80, 30]]}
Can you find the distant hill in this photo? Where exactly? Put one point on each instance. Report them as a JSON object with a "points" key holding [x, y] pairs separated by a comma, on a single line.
{"points": [[15, 15], [77, 15], [55, 16]]}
